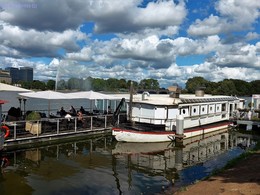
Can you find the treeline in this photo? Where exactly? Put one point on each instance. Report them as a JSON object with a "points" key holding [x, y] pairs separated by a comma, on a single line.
{"points": [[225, 87], [95, 84]]}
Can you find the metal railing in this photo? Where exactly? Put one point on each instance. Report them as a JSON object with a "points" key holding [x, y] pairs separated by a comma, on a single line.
{"points": [[51, 127]]}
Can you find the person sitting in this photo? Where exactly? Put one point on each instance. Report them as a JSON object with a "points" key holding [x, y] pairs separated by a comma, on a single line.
{"points": [[62, 112], [73, 111], [82, 110], [81, 120], [109, 110], [80, 116]]}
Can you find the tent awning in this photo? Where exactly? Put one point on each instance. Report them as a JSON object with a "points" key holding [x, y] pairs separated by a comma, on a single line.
{"points": [[6, 87], [92, 95]]}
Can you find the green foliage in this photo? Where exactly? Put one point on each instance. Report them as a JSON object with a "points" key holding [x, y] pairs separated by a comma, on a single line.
{"points": [[225, 87], [193, 83], [33, 116], [149, 84], [50, 85]]}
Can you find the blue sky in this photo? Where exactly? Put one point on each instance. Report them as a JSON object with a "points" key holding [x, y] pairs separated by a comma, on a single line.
{"points": [[167, 40]]}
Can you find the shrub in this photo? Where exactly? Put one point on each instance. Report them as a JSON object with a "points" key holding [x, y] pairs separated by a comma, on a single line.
{"points": [[33, 116]]}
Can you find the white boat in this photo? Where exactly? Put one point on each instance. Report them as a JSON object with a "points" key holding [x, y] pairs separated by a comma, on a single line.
{"points": [[160, 118]]}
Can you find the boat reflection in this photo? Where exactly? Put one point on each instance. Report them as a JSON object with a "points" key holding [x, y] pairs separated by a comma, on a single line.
{"points": [[173, 160]]}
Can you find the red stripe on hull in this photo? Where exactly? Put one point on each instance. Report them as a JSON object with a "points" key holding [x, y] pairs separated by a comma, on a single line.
{"points": [[205, 127]]}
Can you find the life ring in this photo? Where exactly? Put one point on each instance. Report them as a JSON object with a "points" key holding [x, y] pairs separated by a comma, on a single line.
{"points": [[7, 131]]}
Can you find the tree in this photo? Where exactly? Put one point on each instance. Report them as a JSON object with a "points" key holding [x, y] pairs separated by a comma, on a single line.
{"points": [[227, 87], [149, 84], [50, 84], [112, 84], [194, 83], [99, 84], [36, 84], [255, 87]]}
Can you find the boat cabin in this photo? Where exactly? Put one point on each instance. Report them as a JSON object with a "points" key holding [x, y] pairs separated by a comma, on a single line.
{"points": [[197, 109]]}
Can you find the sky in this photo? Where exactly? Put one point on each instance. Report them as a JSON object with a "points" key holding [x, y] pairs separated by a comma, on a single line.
{"points": [[167, 40]]}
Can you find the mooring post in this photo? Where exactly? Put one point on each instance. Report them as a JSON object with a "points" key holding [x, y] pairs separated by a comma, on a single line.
{"points": [[179, 128]]}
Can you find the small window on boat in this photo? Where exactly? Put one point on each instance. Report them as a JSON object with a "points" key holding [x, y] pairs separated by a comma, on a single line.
{"points": [[183, 111], [194, 110], [210, 108], [203, 109]]}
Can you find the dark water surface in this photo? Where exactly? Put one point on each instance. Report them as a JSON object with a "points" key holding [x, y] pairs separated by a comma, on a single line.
{"points": [[104, 166]]}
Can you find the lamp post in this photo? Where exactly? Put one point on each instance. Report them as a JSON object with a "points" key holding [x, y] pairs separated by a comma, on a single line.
{"points": [[20, 101], [24, 101]]}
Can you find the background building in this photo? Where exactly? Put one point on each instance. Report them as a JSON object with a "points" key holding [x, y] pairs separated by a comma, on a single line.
{"points": [[22, 74], [5, 77]]}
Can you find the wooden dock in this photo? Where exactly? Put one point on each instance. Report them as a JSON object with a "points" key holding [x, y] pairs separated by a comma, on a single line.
{"points": [[56, 130]]}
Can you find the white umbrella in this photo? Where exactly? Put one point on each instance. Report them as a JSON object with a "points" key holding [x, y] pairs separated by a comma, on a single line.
{"points": [[49, 95]]}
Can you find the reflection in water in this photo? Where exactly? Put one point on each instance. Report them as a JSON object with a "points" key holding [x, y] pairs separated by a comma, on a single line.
{"points": [[103, 166]]}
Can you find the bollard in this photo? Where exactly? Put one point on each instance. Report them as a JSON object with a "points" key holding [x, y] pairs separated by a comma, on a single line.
{"points": [[179, 128], [179, 124]]}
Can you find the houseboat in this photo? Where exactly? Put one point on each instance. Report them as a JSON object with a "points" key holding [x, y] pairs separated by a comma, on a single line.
{"points": [[161, 118]]}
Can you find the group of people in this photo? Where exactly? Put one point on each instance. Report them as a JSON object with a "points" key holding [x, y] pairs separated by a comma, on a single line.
{"points": [[72, 112]]}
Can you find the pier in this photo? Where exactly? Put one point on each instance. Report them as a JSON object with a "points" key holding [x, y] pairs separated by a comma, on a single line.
{"points": [[49, 130]]}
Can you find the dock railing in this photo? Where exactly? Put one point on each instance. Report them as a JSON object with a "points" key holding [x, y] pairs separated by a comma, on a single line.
{"points": [[55, 127]]}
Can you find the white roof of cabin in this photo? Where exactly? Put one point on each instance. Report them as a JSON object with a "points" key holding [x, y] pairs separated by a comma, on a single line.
{"points": [[165, 99]]}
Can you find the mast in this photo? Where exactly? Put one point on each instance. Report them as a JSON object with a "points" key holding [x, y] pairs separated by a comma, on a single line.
{"points": [[131, 102]]}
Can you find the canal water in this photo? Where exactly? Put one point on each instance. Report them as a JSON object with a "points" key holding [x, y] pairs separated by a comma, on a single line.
{"points": [[101, 165]]}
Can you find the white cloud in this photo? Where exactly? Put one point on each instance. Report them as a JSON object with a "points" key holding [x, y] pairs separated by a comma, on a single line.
{"points": [[84, 55], [234, 15], [35, 43]]}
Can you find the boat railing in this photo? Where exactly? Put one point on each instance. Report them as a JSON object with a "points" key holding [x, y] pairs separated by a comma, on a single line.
{"points": [[57, 126], [158, 121]]}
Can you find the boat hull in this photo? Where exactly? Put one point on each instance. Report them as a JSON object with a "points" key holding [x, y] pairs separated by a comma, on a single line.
{"points": [[127, 135], [131, 135]]}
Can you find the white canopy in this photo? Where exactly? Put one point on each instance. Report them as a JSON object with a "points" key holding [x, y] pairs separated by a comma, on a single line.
{"points": [[6, 87], [53, 95], [49, 95], [92, 95]]}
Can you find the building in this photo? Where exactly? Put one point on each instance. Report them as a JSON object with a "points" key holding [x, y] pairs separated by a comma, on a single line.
{"points": [[5, 77], [22, 74]]}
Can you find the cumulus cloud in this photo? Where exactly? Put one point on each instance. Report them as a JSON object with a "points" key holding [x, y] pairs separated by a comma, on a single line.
{"points": [[238, 56], [130, 17], [234, 15], [144, 40], [35, 43]]}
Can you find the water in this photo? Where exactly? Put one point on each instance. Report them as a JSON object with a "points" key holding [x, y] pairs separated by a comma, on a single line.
{"points": [[103, 166]]}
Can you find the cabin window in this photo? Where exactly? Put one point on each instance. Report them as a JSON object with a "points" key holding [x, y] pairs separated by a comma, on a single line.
{"points": [[203, 109], [183, 111], [223, 107], [194, 110]]}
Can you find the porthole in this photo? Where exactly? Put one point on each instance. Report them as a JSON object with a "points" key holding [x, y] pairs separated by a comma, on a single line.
{"points": [[183, 111], [194, 110], [203, 109]]}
